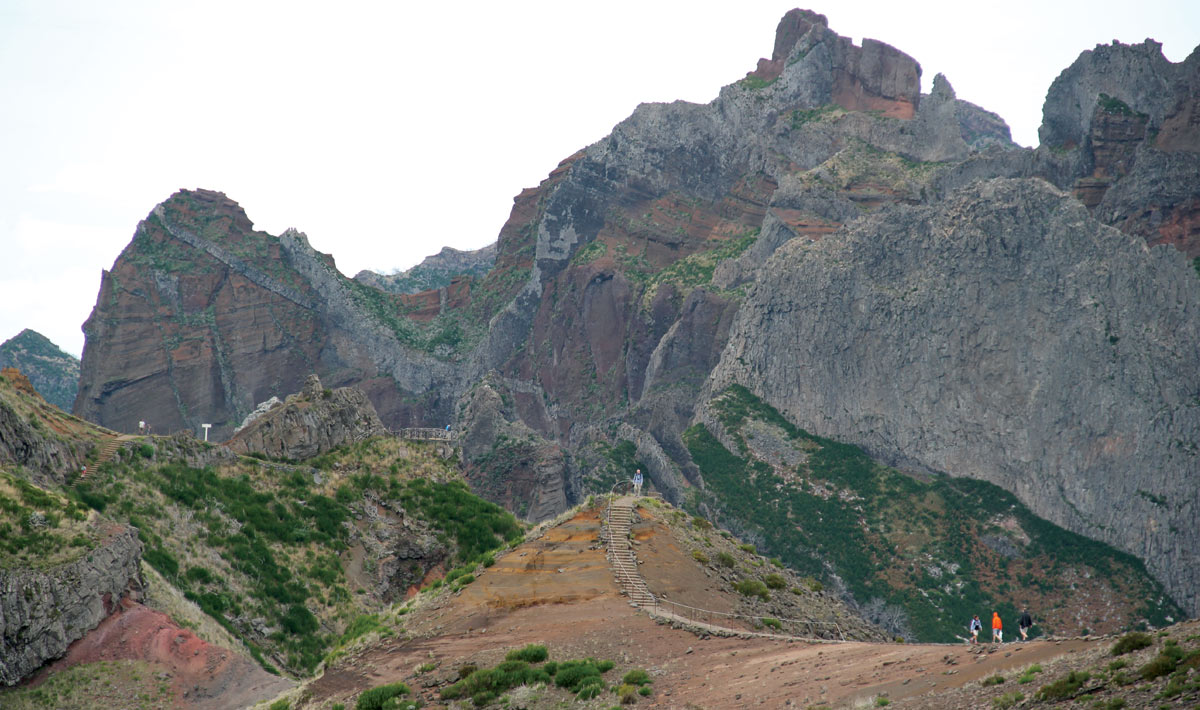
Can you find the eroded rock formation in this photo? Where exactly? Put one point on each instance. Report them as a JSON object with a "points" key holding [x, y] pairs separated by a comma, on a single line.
{"points": [[310, 423], [43, 611]]}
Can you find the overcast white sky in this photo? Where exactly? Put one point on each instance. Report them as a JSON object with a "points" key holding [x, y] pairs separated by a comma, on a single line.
{"points": [[388, 130]]}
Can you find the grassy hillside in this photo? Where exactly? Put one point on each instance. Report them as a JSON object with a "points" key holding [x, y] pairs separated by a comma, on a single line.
{"points": [[921, 555], [40, 529], [291, 557]]}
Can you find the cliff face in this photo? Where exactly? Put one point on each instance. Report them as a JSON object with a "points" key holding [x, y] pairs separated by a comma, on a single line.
{"points": [[53, 373], [310, 423], [1127, 121], [43, 611], [202, 317], [1003, 335]]}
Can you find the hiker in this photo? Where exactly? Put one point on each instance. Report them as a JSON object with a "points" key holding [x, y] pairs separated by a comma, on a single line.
{"points": [[997, 628], [1025, 624], [637, 483], [975, 626], [83, 472]]}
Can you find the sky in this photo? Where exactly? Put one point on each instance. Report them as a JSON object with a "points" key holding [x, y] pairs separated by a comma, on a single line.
{"points": [[387, 130]]}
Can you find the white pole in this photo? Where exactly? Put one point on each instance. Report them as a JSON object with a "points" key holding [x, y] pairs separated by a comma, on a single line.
{"points": [[206, 426]]}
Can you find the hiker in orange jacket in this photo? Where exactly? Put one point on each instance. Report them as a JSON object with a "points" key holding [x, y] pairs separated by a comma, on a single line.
{"points": [[997, 628]]}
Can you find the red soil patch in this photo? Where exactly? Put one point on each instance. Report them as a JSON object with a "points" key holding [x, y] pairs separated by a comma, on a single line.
{"points": [[202, 676]]}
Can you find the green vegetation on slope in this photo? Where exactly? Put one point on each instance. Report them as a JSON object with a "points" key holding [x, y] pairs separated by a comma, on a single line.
{"points": [[941, 550], [256, 541], [693, 270], [132, 685], [40, 529]]}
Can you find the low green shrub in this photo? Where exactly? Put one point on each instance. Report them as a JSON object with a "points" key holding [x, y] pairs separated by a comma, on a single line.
{"points": [[375, 698], [993, 680], [1064, 687], [1164, 663], [1132, 641], [533, 653], [1008, 700], [775, 581], [590, 688], [752, 588], [637, 676], [725, 559], [748, 548], [700, 557], [773, 623], [627, 694], [493, 681]]}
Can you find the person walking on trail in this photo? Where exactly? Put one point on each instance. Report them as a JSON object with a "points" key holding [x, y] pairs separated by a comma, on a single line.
{"points": [[1025, 624], [637, 483], [997, 628], [975, 627]]}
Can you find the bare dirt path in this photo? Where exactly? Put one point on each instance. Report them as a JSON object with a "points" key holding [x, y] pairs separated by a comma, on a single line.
{"points": [[558, 591]]}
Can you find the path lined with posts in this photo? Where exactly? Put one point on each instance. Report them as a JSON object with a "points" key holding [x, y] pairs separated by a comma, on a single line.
{"points": [[619, 522]]}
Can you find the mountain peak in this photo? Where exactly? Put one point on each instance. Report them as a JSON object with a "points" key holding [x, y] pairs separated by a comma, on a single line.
{"points": [[53, 373]]}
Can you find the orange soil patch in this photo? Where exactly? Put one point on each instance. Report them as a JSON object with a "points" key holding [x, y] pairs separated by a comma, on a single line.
{"points": [[202, 676], [565, 565], [558, 591]]}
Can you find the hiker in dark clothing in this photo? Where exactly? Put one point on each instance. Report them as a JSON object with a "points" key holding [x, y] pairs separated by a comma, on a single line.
{"points": [[1025, 624]]}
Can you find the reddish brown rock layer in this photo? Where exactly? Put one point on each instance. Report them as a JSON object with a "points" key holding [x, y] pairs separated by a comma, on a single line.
{"points": [[202, 676]]}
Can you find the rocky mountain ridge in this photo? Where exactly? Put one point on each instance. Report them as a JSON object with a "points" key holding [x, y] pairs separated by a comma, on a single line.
{"points": [[588, 347], [435, 272], [53, 373]]}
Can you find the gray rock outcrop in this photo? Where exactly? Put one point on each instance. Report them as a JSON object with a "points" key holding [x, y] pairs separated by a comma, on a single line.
{"points": [[310, 423], [1004, 335], [435, 271], [43, 611], [260, 410]]}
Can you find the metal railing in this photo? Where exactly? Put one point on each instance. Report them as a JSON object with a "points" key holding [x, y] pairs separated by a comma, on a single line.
{"points": [[631, 580], [424, 434]]}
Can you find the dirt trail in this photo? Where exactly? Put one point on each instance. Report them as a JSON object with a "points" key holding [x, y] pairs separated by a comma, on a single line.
{"points": [[558, 591], [203, 676]]}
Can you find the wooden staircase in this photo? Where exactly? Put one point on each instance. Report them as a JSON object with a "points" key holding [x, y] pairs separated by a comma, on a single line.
{"points": [[621, 557]]}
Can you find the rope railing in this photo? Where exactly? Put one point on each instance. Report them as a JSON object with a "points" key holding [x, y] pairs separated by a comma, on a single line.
{"points": [[803, 628], [631, 579]]}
